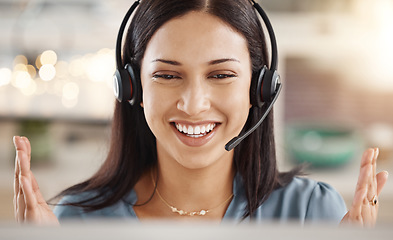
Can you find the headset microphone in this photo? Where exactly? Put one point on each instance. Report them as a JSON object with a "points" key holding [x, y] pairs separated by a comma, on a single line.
{"points": [[267, 87], [236, 140]]}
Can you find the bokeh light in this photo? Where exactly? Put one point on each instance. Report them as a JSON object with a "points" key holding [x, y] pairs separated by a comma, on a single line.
{"points": [[21, 79], [69, 103], [101, 66], [30, 89], [61, 69], [20, 67], [38, 63], [47, 72], [70, 91], [5, 76], [48, 57], [49, 75], [31, 70], [20, 59], [76, 67]]}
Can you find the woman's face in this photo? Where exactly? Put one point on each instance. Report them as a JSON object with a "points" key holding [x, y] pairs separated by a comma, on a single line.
{"points": [[196, 75]]}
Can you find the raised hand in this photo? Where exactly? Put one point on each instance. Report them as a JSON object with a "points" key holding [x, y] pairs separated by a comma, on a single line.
{"points": [[29, 205], [364, 209]]}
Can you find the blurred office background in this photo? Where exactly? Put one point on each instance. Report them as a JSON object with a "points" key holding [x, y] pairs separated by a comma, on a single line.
{"points": [[57, 61]]}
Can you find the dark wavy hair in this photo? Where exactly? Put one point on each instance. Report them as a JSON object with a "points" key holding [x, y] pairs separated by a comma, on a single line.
{"points": [[133, 145]]}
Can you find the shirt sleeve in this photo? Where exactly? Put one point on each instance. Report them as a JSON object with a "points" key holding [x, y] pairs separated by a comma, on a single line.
{"points": [[325, 204], [65, 211]]}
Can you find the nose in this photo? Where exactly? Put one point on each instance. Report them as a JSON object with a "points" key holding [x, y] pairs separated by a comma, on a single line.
{"points": [[194, 98]]}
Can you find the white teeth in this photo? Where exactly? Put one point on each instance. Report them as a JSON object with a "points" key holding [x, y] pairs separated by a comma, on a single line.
{"points": [[203, 129], [197, 131], [190, 130]]}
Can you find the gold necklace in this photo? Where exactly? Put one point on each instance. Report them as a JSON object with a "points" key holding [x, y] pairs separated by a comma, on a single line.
{"points": [[182, 212]]}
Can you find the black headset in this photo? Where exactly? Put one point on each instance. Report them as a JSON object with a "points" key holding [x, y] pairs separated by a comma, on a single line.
{"points": [[265, 90]]}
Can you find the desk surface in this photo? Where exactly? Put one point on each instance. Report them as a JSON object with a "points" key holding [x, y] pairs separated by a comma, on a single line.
{"points": [[170, 230]]}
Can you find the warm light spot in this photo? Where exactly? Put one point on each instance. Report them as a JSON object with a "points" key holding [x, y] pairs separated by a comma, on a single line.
{"points": [[61, 68], [41, 88], [20, 67], [101, 67], [38, 63], [30, 89], [5, 76], [76, 67], [20, 59], [48, 57], [47, 72], [70, 91], [69, 103], [31, 70], [21, 79]]}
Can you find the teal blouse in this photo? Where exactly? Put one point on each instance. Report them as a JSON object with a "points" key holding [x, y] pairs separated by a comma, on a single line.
{"points": [[303, 200]]}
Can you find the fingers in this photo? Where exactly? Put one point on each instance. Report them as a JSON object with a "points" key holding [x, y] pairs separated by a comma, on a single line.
{"points": [[355, 213], [22, 173], [24, 160], [369, 185], [16, 180], [365, 170], [19, 146], [36, 190], [365, 180], [381, 177], [19, 205], [29, 196], [374, 163]]}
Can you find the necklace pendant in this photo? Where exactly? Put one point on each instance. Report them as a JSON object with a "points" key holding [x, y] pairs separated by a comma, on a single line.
{"points": [[191, 214], [202, 213]]}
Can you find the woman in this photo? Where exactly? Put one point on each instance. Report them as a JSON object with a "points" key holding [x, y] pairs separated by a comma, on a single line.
{"points": [[196, 60]]}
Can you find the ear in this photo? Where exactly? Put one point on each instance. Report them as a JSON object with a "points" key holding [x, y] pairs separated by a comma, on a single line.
{"points": [[141, 104]]}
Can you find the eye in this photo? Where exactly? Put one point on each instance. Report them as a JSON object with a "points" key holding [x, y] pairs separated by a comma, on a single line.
{"points": [[165, 76], [223, 76]]}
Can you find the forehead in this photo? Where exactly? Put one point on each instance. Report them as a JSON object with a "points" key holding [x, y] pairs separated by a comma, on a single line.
{"points": [[198, 34]]}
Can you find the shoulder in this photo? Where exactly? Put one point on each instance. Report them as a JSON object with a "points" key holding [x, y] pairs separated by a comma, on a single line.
{"points": [[122, 208], [306, 200]]}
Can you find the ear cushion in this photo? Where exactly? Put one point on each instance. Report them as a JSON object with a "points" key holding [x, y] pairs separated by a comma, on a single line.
{"points": [[121, 85], [125, 85], [271, 79], [135, 89], [264, 88], [255, 89]]}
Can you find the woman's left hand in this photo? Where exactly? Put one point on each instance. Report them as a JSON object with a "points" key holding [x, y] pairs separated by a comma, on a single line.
{"points": [[364, 209]]}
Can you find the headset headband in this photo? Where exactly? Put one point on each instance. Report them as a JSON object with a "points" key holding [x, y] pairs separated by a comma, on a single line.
{"points": [[262, 13], [120, 34]]}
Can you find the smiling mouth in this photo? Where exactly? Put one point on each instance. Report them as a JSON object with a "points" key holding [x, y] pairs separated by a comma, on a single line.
{"points": [[195, 131]]}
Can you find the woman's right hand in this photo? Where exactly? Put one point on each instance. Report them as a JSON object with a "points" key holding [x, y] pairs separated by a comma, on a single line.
{"points": [[29, 205]]}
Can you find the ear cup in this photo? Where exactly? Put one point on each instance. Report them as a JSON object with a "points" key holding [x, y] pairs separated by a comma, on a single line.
{"points": [[125, 85], [265, 87], [135, 89], [271, 79], [121, 85]]}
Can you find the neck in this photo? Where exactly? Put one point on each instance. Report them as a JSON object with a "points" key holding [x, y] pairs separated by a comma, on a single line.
{"points": [[198, 188]]}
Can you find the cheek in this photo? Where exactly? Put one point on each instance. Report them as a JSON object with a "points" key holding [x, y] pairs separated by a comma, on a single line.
{"points": [[236, 104], [157, 103]]}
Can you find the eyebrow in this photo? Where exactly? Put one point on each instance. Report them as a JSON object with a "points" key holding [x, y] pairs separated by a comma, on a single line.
{"points": [[167, 61], [212, 62], [218, 61]]}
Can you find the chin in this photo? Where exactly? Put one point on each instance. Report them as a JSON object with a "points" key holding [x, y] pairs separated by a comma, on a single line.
{"points": [[205, 160]]}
